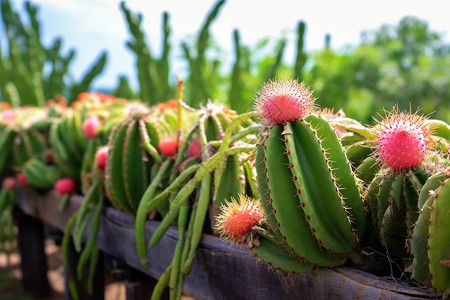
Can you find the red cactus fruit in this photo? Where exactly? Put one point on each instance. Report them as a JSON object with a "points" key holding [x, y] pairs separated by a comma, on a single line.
{"points": [[167, 146], [65, 186], [101, 156], [91, 127], [283, 101], [22, 179], [9, 183], [401, 140], [237, 218], [195, 148]]}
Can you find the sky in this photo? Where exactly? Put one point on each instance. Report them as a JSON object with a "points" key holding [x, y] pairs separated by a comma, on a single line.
{"points": [[92, 26]]}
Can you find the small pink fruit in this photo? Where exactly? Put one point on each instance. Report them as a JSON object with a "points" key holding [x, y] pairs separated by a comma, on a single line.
{"points": [[9, 183], [101, 156], [167, 146], [65, 186], [195, 148], [91, 127], [401, 140], [22, 179], [238, 217], [284, 101]]}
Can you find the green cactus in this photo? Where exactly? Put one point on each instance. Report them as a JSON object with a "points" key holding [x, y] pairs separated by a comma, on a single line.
{"points": [[307, 187], [429, 241]]}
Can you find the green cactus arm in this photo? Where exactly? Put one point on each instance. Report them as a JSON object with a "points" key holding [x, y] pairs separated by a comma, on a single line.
{"points": [[228, 183], [278, 258], [199, 220], [291, 219], [419, 243], [236, 98], [410, 195], [133, 165], [273, 68], [182, 223], [95, 70], [358, 152], [383, 198], [372, 202], [317, 189], [439, 128], [367, 170], [430, 185], [301, 57], [263, 189], [114, 173], [393, 230], [341, 171], [163, 62], [142, 211], [439, 237]]}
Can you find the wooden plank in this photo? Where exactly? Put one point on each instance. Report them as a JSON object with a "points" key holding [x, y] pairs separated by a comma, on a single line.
{"points": [[32, 255], [222, 271]]}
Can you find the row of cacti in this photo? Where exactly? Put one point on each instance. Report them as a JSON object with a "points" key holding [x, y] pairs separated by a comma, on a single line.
{"points": [[303, 187]]}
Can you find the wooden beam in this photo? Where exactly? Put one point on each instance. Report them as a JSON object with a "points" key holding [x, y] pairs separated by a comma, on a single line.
{"points": [[221, 271]]}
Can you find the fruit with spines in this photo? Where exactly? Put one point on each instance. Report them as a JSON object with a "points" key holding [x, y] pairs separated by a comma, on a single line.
{"points": [[237, 219]]}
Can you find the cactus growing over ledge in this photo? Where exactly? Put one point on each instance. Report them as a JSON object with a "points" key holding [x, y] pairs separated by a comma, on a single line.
{"points": [[306, 184]]}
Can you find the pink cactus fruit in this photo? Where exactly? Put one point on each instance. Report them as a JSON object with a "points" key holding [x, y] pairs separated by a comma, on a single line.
{"points": [[284, 101], [65, 186], [101, 156], [167, 146], [22, 179], [401, 140], [237, 218], [9, 183], [194, 148], [91, 127]]}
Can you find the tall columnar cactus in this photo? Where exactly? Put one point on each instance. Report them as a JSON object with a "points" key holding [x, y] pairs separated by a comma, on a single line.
{"points": [[430, 240], [307, 187]]}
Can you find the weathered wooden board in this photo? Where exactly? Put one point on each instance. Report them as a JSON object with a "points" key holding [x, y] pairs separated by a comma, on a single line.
{"points": [[220, 271]]}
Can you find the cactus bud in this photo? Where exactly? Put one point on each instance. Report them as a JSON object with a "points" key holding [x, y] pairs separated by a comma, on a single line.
{"points": [[101, 155], [167, 146], [65, 186], [22, 179], [284, 101], [91, 127], [238, 217], [9, 183], [401, 140]]}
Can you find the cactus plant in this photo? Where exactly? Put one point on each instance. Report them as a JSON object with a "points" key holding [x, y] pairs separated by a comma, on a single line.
{"points": [[305, 181], [429, 241]]}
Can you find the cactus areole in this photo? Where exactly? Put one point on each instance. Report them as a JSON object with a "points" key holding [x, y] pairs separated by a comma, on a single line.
{"points": [[402, 140]]}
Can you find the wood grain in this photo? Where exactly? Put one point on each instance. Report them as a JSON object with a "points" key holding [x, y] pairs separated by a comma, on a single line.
{"points": [[220, 271]]}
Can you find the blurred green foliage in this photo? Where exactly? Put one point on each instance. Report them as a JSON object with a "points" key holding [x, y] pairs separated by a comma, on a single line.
{"points": [[30, 72], [406, 65]]}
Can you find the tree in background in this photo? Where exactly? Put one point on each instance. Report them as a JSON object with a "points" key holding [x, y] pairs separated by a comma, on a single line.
{"points": [[402, 64]]}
